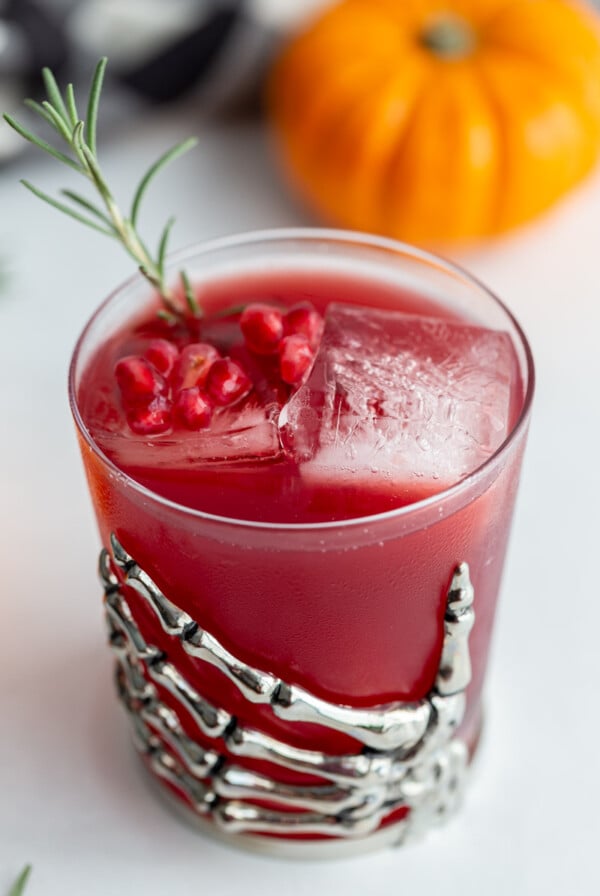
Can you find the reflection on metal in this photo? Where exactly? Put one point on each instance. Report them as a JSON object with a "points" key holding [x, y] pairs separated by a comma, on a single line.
{"points": [[408, 757]]}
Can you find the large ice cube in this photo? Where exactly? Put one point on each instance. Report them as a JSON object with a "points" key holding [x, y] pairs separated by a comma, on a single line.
{"points": [[400, 399]]}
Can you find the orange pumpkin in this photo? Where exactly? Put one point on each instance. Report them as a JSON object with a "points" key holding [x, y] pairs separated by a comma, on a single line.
{"points": [[433, 121]]}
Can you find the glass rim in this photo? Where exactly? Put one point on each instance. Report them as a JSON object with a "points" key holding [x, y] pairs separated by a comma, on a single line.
{"points": [[326, 235]]}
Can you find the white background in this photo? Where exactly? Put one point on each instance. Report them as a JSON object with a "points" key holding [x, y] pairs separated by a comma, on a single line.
{"points": [[71, 799]]}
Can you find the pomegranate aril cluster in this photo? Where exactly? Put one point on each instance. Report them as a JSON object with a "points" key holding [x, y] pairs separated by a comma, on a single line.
{"points": [[292, 336], [167, 386]]}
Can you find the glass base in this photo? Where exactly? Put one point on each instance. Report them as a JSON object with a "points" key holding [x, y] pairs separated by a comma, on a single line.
{"points": [[393, 835]]}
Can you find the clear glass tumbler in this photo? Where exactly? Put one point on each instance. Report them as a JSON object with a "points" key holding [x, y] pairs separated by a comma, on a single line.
{"points": [[306, 689]]}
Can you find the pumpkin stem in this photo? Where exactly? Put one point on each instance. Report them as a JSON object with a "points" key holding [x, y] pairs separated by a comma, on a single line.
{"points": [[449, 37]]}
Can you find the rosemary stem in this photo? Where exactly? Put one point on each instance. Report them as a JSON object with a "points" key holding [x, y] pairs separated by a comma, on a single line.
{"points": [[80, 138]]}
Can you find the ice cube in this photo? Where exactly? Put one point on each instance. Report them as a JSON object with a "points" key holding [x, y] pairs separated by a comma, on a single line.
{"points": [[246, 431], [400, 400]]}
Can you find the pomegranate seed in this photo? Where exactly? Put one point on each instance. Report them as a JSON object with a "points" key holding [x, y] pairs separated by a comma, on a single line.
{"points": [[194, 363], [163, 354], [304, 320], [227, 382], [295, 358], [138, 379], [193, 408], [262, 326], [151, 420]]}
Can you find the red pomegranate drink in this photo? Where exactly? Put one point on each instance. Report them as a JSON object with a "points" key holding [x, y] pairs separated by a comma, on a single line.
{"points": [[304, 498]]}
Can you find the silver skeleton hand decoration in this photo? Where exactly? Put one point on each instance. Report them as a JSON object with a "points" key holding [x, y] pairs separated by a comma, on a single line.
{"points": [[411, 758]]}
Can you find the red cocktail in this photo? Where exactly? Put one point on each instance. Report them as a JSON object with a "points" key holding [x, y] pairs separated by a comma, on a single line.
{"points": [[289, 574]]}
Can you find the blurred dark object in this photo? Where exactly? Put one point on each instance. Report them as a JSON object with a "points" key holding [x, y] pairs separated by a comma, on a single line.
{"points": [[170, 74], [31, 36], [215, 51], [161, 51]]}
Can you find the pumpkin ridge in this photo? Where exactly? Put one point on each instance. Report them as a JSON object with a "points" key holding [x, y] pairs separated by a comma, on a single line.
{"points": [[325, 129], [573, 69], [386, 200], [385, 159], [325, 123], [459, 169], [521, 204], [489, 222], [317, 116], [558, 75], [502, 142]]}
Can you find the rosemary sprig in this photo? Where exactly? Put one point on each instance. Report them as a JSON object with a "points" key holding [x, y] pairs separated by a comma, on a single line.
{"points": [[79, 135], [18, 888]]}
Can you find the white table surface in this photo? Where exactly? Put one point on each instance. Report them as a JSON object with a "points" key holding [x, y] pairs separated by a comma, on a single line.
{"points": [[71, 799]]}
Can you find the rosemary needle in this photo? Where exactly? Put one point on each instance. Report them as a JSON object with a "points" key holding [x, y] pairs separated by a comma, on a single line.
{"points": [[18, 888]]}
